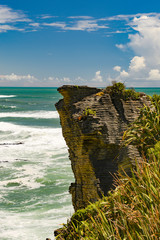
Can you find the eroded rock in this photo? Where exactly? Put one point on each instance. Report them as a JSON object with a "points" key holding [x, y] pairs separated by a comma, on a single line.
{"points": [[94, 140]]}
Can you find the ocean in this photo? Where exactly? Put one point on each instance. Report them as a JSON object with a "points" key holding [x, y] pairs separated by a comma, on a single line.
{"points": [[35, 171]]}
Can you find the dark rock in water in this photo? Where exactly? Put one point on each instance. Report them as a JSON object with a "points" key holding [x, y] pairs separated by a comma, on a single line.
{"points": [[20, 159], [93, 124], [6, 144]]}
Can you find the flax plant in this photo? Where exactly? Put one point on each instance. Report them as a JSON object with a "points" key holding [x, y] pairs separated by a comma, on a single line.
{"points": [[145, 131]]}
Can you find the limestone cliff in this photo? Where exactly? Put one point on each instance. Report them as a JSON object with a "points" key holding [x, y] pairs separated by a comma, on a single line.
{"points": [[93, 123]]}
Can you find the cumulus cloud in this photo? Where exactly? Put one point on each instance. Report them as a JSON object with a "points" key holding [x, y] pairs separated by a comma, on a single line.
{"points": [[124, 74], [145, 43], [154, 74], [15, 77], [98, 77], [117, 68], [137, 63], [121, 46]]}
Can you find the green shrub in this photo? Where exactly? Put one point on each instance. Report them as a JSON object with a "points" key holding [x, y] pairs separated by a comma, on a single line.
{"points": [[89, 111], [130, 94], [145, 131], [117, 90]]}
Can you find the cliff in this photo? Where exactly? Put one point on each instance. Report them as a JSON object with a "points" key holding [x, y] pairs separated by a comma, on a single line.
{"points": [[93, 123]]}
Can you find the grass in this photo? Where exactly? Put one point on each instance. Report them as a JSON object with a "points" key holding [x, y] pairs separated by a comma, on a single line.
{"points": [[131, 212]]}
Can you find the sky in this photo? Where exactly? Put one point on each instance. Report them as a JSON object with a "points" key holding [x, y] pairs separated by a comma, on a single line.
{"points": [[79, 42]]}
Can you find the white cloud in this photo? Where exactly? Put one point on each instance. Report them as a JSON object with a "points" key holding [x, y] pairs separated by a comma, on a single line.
{"points": [[86, 25], [60, 80], [121, 46], [79, 25], [5, 28], [98, 77], [61, 25], [34, 24], [127, 17], [10, 19], [137, 63], [124, 74], [15, 77], [117, 68], [8, 15], [46, 16], [154, 74], [146, 42]]}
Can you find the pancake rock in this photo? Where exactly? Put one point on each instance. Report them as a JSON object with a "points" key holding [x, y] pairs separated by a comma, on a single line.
{"points": [[93, 124]]}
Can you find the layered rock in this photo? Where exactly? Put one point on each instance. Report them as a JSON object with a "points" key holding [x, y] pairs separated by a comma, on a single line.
{"points": [[93, 124]]}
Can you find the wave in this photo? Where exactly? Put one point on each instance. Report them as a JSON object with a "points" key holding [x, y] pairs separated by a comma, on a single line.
{"points": [[7, 107], [31, 114], [35, 225], [7, 96], [36, 141]]}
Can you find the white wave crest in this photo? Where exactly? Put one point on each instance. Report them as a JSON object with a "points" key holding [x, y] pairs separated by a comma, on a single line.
{"points": [[7, 96], [31, 114], [41, 142]]}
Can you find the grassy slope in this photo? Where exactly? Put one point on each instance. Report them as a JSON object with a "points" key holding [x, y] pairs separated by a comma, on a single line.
{"points": [[132, 210]]}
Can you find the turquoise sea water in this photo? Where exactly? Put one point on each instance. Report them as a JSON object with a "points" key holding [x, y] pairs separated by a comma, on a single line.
{"points": [[149, 91], [35, 171]]}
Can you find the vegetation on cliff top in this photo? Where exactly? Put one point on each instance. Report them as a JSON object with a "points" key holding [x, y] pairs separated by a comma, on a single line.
{"points": [[132, 210], [117, 90]]}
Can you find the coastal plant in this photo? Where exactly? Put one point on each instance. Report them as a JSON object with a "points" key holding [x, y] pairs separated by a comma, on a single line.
{"points": [[89, 111], [145, 130], [118, 90], [131, 211], [130, 94]]}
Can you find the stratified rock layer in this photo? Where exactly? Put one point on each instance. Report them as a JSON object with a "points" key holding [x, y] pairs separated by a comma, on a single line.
{"points": [[94, 140]]}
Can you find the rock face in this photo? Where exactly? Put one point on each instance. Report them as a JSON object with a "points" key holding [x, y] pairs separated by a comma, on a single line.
{"points": [[93, 125]]}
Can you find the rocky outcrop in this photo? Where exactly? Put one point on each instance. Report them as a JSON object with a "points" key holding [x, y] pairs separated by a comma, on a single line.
{"points": [[93, 124]]}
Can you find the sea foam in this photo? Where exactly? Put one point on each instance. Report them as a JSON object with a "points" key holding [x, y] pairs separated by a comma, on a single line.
{"points": [[30, 114]]}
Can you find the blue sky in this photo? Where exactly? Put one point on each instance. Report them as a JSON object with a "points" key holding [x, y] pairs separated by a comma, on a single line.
{"points": [[82, 42]]}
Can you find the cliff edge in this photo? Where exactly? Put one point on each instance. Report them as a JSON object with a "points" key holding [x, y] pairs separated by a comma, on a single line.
{"points": [[93, 122]]}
